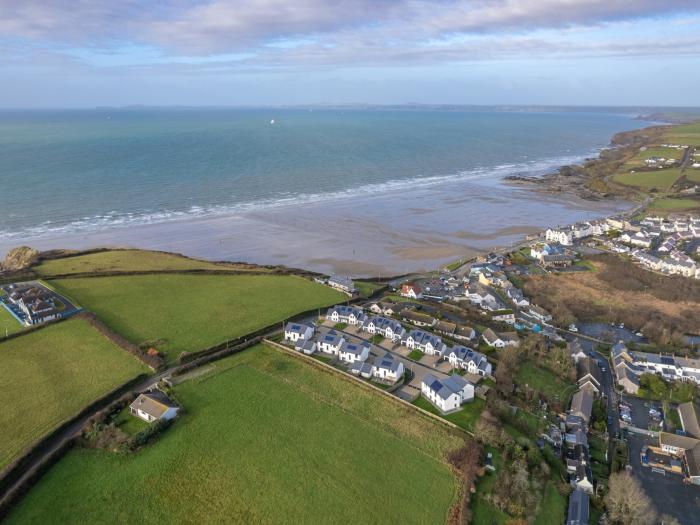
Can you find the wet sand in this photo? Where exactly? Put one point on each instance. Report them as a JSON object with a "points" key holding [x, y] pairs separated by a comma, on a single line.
{"points": [[388, 234]]}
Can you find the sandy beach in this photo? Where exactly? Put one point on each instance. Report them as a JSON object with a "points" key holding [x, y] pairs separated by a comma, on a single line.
{"points": [[378, 234]]}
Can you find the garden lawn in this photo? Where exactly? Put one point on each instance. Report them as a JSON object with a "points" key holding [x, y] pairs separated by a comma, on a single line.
{"points": [[49, 375], [8, 324], [552, 508], [544, 381], [465, 418], [131, 261], [661, 179], [265, 438], [176, 312]]}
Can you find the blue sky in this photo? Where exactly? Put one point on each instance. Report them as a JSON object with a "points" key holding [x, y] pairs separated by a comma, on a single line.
{"points": [[258, 52]]}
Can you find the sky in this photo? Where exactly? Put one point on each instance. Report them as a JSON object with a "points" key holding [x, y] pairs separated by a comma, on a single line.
{"points": [[87, 53]]}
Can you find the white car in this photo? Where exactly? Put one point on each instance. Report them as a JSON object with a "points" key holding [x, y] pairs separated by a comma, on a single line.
{"points": [[573, 328]]}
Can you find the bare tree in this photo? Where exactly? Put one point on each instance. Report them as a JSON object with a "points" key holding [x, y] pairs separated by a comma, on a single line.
{"points": [[626, 501]]}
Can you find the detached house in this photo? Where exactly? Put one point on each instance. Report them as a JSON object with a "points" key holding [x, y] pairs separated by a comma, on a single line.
{"points": [[502, 340], [354, 352], [152, 406], [411, 291], [298, 331], [388, 369], [447, 394], [331, 342], [516, 295], [539, 313], [346, 314]]}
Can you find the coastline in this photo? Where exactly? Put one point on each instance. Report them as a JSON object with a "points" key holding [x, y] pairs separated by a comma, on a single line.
{"points": [[391, 232]]}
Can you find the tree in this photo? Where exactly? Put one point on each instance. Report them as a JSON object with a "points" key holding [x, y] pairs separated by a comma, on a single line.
{"points": [[626, 501]]}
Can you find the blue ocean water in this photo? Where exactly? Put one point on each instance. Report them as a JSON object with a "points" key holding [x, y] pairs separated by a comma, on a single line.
{"points": [[82, 170]]}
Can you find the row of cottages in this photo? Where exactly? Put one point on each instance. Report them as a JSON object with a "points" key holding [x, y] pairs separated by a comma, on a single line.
{"points": [[455, 331], [500, 340], [672, 368], [589, 375], [470, 360], [577, 453], [351, 315], [425, 342], [447, 394], [344, 284], [411, 291], [385, 327]]}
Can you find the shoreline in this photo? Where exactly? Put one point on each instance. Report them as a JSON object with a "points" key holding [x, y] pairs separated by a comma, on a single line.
{"points": [[376, 234]]}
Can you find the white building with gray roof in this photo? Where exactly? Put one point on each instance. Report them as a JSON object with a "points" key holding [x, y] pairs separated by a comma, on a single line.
{"points": [[447, 394]]}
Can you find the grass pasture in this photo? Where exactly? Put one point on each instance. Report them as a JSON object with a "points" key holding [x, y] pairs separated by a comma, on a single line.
{"points": [[181, 312], [674, 205], [49, 375], [661, 179], [8, 324], [465, 418], [293, 445], [130, 261]]}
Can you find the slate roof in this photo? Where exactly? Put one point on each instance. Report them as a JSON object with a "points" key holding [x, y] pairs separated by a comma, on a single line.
{"points": [[388, 362], [154, 403], [578, 508]]}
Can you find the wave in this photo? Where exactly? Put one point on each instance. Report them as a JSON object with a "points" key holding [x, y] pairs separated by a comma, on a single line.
{"points": [[116, 219]]}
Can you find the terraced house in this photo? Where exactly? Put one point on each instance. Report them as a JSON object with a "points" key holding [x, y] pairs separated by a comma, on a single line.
{"points": [[470, 360], [425, 342]]}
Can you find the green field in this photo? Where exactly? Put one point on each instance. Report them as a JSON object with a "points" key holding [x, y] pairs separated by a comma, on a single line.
{"points": [[127, 261], [365, 289], [675, 204], [180, 312], [49, 375], [465, 418], [544, 381], [553, 507], [665, 153], [685, 134], [660, 179], [692, 174], [8, 324], [265, 439]]}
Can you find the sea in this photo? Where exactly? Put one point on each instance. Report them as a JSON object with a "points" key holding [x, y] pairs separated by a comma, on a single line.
{"points": [[73, 174]]}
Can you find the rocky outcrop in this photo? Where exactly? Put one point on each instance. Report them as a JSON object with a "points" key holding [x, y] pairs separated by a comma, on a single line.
{"points": [[19, 258]]}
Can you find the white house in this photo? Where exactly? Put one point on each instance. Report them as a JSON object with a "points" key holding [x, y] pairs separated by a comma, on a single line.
{"points": [[295, 331], [639, 238], [388, 328], [411, 291], [472, 361], [308, 346], [540, 313], [502, 340], [353, 352], [447, 394], [516, 295], [152, 406], [504, 316], [425, 342], [346, 314], [388, 369], [563, 237], [331, 342]]}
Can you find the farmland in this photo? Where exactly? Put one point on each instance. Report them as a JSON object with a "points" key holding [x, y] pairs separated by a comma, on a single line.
{"points": [[131, 261], [51, 374], [179, 312], [323, 449], [8, 324], [659, 179]]}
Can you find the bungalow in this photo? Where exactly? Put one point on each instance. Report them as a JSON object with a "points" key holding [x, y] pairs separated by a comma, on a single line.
{"points": [[557, 261], [582, 404], [388, 369], [298, 331], [477, 293], [353, 352], [464, 333], [343, 284], [331, 342], [411, 291], [472, 361], [539, 313], [152, 406], [383, 308], [504, 316], [346, 314], [425, 342], [446, 394], [445, 328], [417, 318], [502, 340], [385, 327]]}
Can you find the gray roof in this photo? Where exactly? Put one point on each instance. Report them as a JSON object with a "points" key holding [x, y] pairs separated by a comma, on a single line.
{"points": [[578, 508], [355, 348], [444, 388], [345, 311], [331, 337], [388, 362], [582, 403], [423, 338], [297, 328]]}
